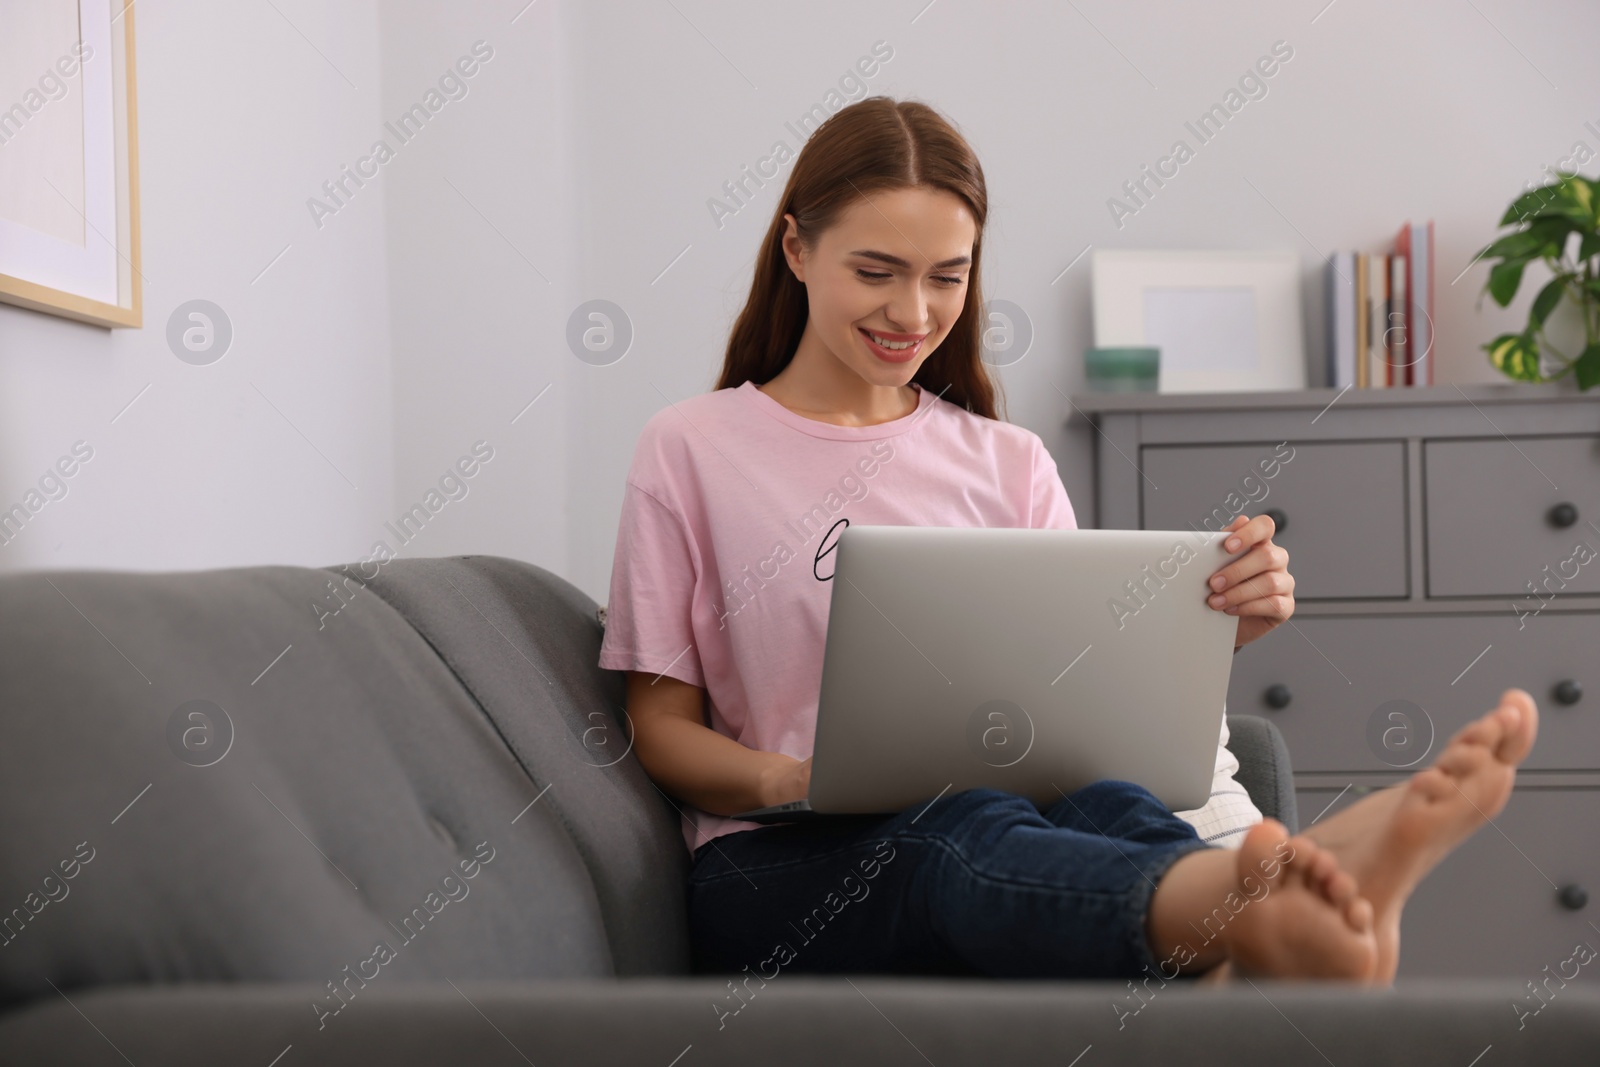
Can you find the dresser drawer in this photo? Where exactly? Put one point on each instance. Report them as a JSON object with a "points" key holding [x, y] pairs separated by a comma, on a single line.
{"points": [[1372, 693], [1345, 506], [1494, 907], [1500, 511]]}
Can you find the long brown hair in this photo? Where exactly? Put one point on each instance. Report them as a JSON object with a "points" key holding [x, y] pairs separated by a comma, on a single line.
{"points": [[874, 144]]}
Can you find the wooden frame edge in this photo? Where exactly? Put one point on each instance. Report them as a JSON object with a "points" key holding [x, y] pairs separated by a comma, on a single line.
{"points": [[21, 293]]}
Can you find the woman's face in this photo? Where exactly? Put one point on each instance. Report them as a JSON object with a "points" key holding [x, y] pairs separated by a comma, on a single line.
{"points": [[894, 267]]}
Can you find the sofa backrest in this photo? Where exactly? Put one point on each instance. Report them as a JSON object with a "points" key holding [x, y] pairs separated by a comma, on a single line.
{"points": [[344, 775]]}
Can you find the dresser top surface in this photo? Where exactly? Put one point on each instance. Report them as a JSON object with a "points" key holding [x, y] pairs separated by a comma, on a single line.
{"points": [[1423, 396]]}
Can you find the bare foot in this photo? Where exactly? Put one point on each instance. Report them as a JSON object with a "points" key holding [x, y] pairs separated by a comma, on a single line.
{"points": [[1278, 906], [1310, 921], [1391, 839]]}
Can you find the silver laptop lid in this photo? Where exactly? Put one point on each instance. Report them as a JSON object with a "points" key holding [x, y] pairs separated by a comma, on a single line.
{"points": [[1034, 661]]}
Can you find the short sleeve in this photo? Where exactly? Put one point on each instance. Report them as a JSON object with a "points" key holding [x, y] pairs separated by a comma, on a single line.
{"points": [[1051, 508], [649, 622]]}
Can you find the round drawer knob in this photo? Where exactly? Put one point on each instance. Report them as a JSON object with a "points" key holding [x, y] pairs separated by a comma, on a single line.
{"points": [[1573, 897], [1568, 691], [1277, 696], [1280, 521], [1562, 515]]}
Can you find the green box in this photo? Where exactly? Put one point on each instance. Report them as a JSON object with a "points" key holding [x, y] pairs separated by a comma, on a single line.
{"points": [[1122, 368]]}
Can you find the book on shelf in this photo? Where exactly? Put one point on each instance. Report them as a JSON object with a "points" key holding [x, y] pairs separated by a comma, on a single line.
{"points": [[1374, 295], [1399, 352], [1363, 312], [1380, 314], [1342, 319]]}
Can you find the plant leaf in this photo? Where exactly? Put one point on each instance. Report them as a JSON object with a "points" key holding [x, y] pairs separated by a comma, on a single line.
{"points": [[1546, 302], [1589, 246], [1504, 279], [1594, 198], [1582, 194], [1543, 202], [1515, 355], [1569, 196], [1554, 233], [1586, 368], [1520, 245], [1576, 195], [1544, 237]]}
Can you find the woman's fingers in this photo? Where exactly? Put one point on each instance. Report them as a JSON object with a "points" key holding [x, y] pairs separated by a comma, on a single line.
{"points": [[1277, 606], [1267, 583], [1253, 531], [1264, 558]]}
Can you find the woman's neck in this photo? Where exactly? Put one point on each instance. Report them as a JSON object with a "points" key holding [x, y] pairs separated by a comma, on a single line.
{"points": [[836, 394]]}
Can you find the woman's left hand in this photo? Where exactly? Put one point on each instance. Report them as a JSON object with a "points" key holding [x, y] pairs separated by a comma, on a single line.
{"points": [[1257, 586]]}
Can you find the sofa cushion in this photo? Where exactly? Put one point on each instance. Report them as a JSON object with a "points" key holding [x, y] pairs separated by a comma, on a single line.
{"points": [[1264, 768], [525, 642], [364, 799]]}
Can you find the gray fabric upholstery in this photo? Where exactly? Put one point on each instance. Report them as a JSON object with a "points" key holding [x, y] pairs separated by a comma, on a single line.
{"points": [[524, 643], [452, 710], [802, 1020], [1264, 768], [362, 772]]}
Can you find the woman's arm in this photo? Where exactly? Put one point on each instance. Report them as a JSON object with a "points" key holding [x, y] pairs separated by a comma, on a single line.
{"points": [[693, 762]]}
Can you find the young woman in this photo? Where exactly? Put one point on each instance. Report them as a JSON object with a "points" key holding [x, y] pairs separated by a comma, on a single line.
{"points": [[853, 391]]}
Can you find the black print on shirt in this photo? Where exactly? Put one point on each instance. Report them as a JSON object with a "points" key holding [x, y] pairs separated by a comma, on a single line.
{"points": [[825, 548], [739, 589]]}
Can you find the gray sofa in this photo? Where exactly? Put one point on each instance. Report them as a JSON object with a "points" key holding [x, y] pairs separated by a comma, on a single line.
{"points": [[285, 816]]}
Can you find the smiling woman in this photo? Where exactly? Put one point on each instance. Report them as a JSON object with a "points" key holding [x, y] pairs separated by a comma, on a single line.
{"points": [[873, 258], [863, 327]]}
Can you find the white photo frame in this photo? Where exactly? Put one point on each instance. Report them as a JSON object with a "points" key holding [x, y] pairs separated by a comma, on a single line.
{"points": [[69, 163], [1224, 320]]}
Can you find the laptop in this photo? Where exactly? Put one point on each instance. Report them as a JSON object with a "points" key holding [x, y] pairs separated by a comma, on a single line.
{"points": [[1030, 661]]}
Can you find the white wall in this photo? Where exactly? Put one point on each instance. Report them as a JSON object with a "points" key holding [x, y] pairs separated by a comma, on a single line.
{"points": [[586, 151], [240, 121], [483, 274]]}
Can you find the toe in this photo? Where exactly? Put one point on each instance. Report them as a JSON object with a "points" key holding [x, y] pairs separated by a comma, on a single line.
{"points": [[1487, 729], [1517, 740], [1342, 887], [1459, 760], [1332, 881], [1299, 854], [1359, 914], [1323, 866], [1431, 783], [1266, 850]]}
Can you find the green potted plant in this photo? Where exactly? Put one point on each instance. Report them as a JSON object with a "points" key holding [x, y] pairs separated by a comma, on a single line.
{"points": [[1550, 219]]}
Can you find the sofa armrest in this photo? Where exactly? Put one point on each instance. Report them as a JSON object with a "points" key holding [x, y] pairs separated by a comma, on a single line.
{"points": [[1264, 768]]}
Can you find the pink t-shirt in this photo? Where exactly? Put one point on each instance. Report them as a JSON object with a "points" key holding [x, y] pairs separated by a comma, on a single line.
{"points": [[724, 554]]}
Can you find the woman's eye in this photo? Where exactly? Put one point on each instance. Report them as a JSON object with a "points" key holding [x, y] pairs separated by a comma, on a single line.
{"points": [[944, 279]]}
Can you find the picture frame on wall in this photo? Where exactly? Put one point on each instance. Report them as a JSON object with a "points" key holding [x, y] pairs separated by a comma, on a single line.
{"points": [[1224, 320], [69, 160]]}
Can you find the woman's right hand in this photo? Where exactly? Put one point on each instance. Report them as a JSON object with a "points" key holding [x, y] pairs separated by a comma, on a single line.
{"points": [[785, 779]]}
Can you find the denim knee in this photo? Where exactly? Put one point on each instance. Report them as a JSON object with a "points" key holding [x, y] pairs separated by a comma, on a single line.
{"points": [[1012, 894], [1120, 809], [952, 810]]}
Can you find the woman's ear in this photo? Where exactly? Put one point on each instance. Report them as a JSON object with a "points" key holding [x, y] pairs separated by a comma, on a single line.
{"points": [[793, 252]]}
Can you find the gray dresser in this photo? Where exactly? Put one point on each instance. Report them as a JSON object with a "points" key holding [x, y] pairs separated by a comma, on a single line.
{"points": [[1445, 543]]}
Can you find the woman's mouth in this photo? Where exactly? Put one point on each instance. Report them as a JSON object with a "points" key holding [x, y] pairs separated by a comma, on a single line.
{"points": [[893, 347]]}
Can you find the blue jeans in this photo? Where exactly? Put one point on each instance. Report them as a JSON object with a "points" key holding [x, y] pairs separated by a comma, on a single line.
{"points": [[980, 882]]}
